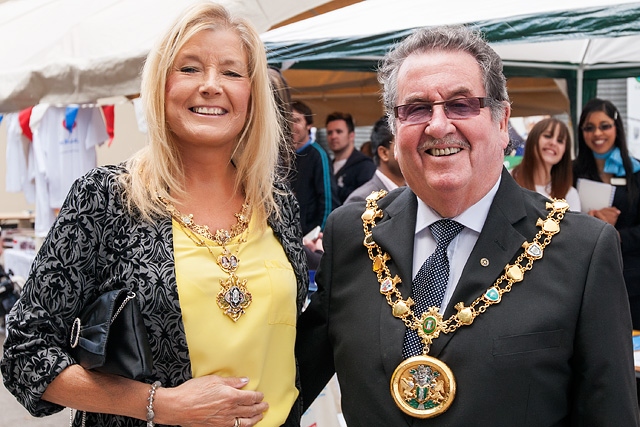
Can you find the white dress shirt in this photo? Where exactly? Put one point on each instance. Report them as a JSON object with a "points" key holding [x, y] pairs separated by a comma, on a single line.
{"points": [[424, 244]]}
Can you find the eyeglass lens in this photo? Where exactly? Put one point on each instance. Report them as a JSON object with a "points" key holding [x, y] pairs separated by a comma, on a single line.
{"points": [[422, 112], [603, 127]]}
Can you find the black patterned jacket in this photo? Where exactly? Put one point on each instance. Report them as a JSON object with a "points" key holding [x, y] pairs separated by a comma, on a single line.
{"points": [[92, 240]]}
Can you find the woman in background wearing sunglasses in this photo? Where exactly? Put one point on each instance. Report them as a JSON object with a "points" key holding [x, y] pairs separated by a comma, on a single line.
{"points": [[603, 156]]}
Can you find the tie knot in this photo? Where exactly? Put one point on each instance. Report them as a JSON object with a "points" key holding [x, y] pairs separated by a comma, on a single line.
{"points": [[445, 230]]}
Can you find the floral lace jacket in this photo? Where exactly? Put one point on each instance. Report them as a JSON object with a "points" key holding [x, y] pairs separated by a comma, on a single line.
{"points": [[92, 240]]}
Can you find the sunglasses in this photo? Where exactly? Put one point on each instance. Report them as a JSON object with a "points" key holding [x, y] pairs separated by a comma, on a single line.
{"points": [[422, 112], [603, 127]]}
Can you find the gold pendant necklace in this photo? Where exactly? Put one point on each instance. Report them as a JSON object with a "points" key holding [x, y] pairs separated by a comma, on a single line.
{"points": [[423, 386], [233, 297]]}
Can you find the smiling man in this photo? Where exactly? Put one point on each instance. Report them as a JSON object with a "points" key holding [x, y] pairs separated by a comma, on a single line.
{"points": [[351, 168], [463, 299]]}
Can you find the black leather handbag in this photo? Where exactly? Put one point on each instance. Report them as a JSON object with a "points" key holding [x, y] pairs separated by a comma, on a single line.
{"points": [[109, 336]]}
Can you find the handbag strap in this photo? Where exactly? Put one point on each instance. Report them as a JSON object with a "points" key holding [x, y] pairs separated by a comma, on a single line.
{"points": [[130, 295]]}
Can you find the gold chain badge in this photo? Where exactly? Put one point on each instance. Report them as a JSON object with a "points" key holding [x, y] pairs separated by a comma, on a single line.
{"points": [[423, 386]]}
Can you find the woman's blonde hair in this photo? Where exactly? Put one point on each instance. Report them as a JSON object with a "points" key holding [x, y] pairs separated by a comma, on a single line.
{"points": [[157, 169]]}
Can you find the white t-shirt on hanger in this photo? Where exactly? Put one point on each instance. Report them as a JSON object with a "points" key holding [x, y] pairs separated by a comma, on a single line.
{"points": [[62, 156]]}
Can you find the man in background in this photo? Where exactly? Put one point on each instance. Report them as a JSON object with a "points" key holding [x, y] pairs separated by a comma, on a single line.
{"points": [[388, 176], [312, 180], [351, 168]]}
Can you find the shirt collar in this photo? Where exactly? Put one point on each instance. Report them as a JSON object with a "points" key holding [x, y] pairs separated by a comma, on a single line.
{"points": [[308, 143], [472, 218], [386, 181]]}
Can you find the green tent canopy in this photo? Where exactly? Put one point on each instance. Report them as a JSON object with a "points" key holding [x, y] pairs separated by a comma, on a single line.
{"points": [[578, 41]]}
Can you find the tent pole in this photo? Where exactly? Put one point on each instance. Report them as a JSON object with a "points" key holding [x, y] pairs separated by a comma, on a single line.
{"points": [[579, 87]]}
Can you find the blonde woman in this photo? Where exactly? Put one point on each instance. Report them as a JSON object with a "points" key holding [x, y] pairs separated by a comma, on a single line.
{"points": [[200, 227]]}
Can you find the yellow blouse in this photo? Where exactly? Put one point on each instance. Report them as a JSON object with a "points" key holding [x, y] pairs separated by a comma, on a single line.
{"points": [[259, 345]]}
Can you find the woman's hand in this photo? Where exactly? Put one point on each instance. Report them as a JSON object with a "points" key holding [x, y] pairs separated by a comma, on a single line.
{"points": [[609, 214], [209, 401]]}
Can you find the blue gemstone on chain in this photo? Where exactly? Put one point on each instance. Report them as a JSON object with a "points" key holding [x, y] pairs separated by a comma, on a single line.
{"points": [[492, 295]]}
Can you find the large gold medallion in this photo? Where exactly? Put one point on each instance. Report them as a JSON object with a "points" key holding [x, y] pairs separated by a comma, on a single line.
{"points": [[423, 386]]}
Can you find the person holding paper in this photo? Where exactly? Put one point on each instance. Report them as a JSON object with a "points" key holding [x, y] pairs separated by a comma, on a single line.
{"points": [[546, 164], [603, 157]]}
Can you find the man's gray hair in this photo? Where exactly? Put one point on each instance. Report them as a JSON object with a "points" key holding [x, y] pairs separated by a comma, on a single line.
{"points": [[445, 38]]}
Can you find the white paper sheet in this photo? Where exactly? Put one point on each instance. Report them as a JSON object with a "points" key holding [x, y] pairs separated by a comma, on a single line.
{"points": [[595, 195]]}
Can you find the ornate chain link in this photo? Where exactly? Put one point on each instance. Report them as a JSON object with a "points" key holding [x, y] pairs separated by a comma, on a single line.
{"points": [[221, 236], [430, 324]]}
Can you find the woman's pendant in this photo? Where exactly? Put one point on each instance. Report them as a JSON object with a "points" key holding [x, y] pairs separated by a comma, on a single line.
{"points": [[233, 298]]}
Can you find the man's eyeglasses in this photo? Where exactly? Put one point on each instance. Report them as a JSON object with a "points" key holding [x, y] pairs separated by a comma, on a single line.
{"points": [[602, 126], [422, 112]]}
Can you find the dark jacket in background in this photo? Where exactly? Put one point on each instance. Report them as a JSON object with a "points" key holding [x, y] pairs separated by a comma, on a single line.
{"points": [[356, 171], [314, 186]]}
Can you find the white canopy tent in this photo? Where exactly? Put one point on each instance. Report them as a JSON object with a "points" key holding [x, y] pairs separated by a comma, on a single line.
{"points": [[75, 51], [576, 40]]}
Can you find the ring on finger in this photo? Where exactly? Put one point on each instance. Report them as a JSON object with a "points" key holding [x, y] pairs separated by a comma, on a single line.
{"points": [[236, 423]]}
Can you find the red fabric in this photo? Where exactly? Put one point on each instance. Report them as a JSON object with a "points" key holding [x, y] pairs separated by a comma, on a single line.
{"points": [[109, 120], [23, 118]]}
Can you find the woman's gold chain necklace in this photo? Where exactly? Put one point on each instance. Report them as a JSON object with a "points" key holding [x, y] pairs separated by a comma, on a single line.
{"points": [[233, 298]]}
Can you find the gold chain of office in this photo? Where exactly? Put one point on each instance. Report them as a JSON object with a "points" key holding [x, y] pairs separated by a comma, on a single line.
{"points": [[430, 324]]}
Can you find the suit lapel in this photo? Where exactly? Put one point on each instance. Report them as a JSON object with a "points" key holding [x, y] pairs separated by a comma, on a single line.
{"points": [[498, 243], [395, 233]]}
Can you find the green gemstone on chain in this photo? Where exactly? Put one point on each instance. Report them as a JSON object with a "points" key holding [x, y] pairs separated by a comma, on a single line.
{"points": [[429, 325]]}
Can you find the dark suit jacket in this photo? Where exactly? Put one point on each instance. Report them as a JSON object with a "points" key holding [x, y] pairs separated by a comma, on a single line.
{"points": [[360, 194], [556, 351]]}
